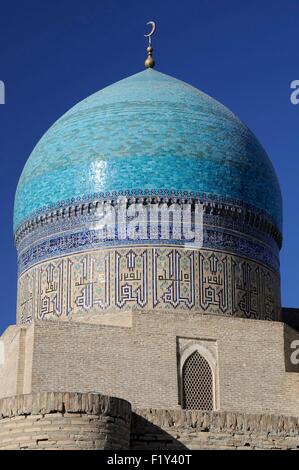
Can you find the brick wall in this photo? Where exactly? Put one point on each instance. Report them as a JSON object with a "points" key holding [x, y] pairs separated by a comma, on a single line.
{"points": [[92, 421], [64, 421], [179, 429], [140, 362]]}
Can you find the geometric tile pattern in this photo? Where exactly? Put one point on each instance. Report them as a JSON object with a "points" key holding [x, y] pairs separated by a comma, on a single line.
{"points": [[229, 227]]}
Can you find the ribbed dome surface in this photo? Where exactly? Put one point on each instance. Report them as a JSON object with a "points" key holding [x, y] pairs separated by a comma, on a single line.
{"points": [[148, 132]]}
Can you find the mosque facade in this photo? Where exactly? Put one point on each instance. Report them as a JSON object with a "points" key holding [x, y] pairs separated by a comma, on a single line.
{"points": [[159, 337]]}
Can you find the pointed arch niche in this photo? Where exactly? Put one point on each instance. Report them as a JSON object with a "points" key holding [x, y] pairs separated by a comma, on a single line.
{"points": [[198, 375]]}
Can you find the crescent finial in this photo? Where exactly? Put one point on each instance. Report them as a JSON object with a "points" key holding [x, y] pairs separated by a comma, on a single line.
{"points": [[149, 62], [149, 35]]}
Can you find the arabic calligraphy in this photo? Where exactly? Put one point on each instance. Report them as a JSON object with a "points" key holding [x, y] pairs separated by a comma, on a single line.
{"points": [[152, 278]]}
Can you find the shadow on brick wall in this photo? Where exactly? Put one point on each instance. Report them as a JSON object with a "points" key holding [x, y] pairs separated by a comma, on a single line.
{"points": [[147, 436]]}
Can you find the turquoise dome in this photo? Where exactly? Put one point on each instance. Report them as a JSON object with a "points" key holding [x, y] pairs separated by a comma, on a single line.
{"points": [[147, 132]]}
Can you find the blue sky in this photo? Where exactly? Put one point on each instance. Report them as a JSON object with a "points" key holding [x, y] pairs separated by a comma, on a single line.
{"points": [[53, 54]]}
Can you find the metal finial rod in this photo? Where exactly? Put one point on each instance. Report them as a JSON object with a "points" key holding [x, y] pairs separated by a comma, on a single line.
{"points": [[149, 62]]}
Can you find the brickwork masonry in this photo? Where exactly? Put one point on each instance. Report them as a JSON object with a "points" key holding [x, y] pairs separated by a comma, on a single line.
{"points": [[64, 421], [92, 421], [154, 429]]}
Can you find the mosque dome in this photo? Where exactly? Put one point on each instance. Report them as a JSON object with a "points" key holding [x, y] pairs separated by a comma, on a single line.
{"points": [[148, 134], [148, 144]]}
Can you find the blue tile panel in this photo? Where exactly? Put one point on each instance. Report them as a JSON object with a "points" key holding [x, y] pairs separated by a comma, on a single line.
{"points": [[148, 131], [89, 239], [229, 229]]}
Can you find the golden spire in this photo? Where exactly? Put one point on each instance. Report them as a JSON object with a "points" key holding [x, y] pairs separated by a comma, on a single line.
{"points": [[149, 62]]}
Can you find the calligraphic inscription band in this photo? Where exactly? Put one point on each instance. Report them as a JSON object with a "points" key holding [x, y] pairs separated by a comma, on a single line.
{"points": [[148, 278]]}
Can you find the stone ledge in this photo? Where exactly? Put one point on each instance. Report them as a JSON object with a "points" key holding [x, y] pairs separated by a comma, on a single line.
{"points": [[64, 402], [213, 421]]}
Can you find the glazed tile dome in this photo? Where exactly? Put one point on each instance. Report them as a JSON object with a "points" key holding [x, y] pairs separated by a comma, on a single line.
{"points": [[84, 251], [148, 132]]}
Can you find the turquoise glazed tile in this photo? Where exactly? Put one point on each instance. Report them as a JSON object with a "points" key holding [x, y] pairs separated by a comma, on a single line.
{"points": [[148, 131]]}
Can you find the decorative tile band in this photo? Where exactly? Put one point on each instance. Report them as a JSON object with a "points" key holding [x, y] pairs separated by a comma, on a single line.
{"points": [[89, 204], [224, 227], [149, 278], [213, 238]]}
